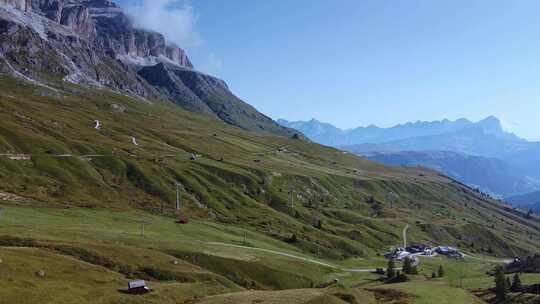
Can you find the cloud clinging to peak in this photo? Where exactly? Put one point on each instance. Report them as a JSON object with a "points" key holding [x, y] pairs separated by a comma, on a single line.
{"points": [[176, 20], [212, 65]]}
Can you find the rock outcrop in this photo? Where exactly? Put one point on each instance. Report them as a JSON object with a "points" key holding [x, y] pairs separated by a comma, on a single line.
{"points": [[24, 5], [106, 24], [40, 50]]}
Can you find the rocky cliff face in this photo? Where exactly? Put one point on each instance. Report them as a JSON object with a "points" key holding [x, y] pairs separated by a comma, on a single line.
{"points": [[23, 5], [93, 42], [80, 41], [209, 95], [42, 51], [105, 23], [117, 33]]}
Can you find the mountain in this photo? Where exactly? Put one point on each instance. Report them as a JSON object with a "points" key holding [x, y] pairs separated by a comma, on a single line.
{"points": [[473, 141], [328, 134], [491, 175], [461, 149], [93, 42], [317, 131], [202, 93], [119, 161], [526, 201], [518, 154]]}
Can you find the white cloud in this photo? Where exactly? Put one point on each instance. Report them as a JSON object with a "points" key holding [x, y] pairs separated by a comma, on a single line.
{"points": [[175, 19], [212, 64]]}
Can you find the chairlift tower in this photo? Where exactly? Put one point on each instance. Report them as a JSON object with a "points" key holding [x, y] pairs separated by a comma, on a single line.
{"points": [[178, 185], [392, 198], [291, 198]]}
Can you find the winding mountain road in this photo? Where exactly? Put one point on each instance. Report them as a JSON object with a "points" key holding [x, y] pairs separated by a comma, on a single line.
{"points": [[285, 254], [416, 259], [405, 235]]}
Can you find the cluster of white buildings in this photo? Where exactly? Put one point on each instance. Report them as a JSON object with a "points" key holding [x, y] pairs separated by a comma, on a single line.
{"points": [[415, 250]]}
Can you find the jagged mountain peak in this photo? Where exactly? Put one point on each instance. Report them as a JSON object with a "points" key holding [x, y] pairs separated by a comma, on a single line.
{"points": [[491, 123], [328, 134], [105, 23], [491, 120]]}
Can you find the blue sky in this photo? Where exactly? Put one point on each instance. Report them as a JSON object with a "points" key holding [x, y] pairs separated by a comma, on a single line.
{"points": [[353, 62]]}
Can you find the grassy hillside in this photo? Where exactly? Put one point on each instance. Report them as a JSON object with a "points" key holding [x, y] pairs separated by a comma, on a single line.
{"points": [[68, 189], [88, 256], [238, 178]]}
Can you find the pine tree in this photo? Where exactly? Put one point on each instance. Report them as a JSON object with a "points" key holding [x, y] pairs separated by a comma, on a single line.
{"points": [[500, 284], [407, 265], [293, 238], [440, 273], [516, 284], [400, 277], [433, 275], [390, 270]]}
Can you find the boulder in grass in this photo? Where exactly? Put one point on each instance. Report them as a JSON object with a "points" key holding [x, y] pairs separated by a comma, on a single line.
{"points": [[41, 273]]}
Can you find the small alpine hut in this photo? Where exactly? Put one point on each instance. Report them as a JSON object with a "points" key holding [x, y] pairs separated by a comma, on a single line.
{"points": [[138, 287]]}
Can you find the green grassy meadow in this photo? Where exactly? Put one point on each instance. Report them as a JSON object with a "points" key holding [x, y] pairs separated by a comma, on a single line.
{"points": [[74, 205], [211, 258]]}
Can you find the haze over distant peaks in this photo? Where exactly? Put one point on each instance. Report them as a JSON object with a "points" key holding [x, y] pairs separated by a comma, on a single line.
{"points": [[328, 134], [481, 154]]}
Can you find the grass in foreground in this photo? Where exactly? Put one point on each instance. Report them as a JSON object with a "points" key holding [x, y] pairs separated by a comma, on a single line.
{"points": [[208, 259]]}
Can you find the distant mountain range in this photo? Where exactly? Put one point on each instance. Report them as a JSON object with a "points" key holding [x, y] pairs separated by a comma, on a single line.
{"points": [[526, 201], [481, 154], [330, 135]]}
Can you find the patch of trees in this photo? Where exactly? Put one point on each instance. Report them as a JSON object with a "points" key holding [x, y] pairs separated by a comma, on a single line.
{"points": [[501, 285], [516, 286], [440, 271], [393, 275], [408, 267], [504, 285]]}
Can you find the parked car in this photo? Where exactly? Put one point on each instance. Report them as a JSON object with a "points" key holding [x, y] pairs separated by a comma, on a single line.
{"points": [[417, 248], [449, 252]]}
